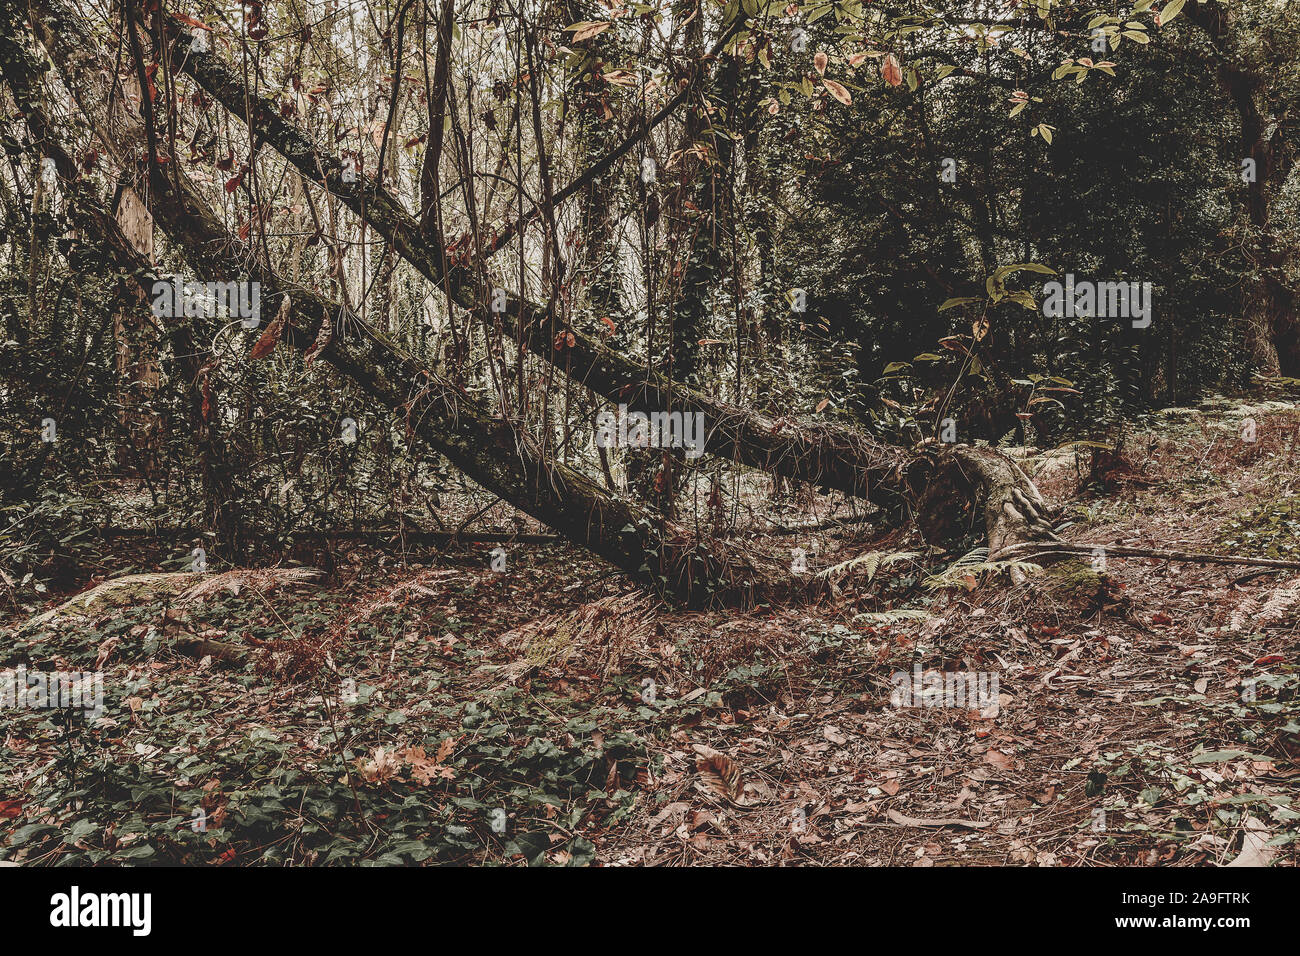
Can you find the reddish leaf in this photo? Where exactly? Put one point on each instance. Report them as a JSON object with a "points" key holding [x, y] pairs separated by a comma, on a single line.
{"points": [[838, 91], [998, 759], [271, 337], [148, 79], [891, 71], [191, 22]]}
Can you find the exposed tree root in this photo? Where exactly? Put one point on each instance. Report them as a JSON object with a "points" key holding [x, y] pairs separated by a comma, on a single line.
{"points": [[958, 485]]}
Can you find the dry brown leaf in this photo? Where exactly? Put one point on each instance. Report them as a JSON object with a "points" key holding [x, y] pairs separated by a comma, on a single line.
{"points": [[445, 748], [588, 29], [719, 772], [105, 651], [381, 766], [1255, 850], [891, 71], [271, 337], [999, 760]]}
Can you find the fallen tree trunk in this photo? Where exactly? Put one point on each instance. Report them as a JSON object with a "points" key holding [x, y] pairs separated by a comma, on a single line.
{"points": [[376, 537], [951, 485], [497, 453], [826, 455], [832, 456]]}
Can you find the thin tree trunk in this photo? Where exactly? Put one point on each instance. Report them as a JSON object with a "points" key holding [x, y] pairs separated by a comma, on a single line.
{"points": [[1270, 310], [137, 347]]}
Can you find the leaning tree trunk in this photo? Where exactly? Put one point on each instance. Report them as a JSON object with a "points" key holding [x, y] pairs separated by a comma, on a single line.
{"points": [[835, 457], [831, 456], [497, 453], [838, 458]]}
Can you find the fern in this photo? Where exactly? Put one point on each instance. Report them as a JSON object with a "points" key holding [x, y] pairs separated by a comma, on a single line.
{"points": [[873, 561], [974, 563], [1274, 608]]}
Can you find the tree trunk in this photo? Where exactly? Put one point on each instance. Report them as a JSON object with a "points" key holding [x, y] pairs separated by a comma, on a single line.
{"points": [[137, 346], [826, 455], [497, 453], [1284, 316], [836, 457], [509, 462], [1269, 307]]}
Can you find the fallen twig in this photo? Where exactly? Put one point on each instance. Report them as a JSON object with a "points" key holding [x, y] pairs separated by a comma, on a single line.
{"points": [[1031, 549]]}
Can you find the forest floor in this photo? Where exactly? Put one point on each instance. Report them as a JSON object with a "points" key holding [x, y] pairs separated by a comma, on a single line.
{"points": [[435, 710]]}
